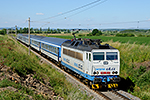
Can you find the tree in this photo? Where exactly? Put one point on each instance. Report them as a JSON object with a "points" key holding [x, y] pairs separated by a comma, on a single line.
{"points": [[25, 30], [20, 31], [58, 30], [3, 31], [40, 30], [68, 31], [96, 32], [48, 29]]}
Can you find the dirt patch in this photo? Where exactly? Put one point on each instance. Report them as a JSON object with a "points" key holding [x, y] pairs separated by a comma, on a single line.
{"points": [[145, 63], [44, 88]]}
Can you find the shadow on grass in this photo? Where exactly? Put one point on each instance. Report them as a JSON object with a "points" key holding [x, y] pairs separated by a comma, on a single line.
{"points": [[126, 84]]}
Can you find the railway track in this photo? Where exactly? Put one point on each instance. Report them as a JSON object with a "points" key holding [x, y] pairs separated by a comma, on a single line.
{"points": [[98, 95], [113, 95]]}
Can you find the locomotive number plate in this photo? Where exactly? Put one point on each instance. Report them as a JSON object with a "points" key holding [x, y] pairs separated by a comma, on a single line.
{"points": [[112, 85]]}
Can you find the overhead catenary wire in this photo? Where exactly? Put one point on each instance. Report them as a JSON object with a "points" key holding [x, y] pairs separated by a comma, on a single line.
{"points": [[87, 8], [113, 23], [75, 13], [72, 10]]}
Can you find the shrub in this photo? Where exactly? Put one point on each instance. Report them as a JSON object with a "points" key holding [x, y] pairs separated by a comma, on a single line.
{"points": [[125, 35], [81, 35], [90, 34]]}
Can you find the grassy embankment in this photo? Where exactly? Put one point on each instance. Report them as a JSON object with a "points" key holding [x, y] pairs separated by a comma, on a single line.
{"points": [[16, 56], [135, 62]]}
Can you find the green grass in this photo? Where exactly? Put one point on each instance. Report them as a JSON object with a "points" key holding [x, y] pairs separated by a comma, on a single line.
{"points": [[131, 54]]}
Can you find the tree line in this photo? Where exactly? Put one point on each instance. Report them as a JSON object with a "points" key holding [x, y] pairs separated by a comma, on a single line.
{"points": [[36, 30]]}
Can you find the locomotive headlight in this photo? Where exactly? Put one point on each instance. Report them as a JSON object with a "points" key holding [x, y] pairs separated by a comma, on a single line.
{"points": [[116, 72], [94, 72], [97, 72], [113, 72]]}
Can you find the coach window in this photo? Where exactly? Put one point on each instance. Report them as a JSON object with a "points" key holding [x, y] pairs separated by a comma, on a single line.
{"points": [[55, 50], [52, 49], [89, 57], [47, 47], [44, 46]]}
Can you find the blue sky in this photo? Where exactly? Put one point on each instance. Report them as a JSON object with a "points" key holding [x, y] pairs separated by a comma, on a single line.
{"points": [[104, 15]]}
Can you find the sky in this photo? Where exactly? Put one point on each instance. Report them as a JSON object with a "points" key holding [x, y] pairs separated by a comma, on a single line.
{"points": [[105, 14]]}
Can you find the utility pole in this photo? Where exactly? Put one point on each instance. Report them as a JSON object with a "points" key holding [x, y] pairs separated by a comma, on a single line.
{"points": [[16, 30], [29, 35]]}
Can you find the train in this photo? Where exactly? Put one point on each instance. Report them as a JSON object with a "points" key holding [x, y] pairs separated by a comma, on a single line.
{"points": [[96, 64]]}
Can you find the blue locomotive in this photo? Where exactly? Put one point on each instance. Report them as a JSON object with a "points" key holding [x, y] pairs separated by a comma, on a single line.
{"points": [[98, 65]]}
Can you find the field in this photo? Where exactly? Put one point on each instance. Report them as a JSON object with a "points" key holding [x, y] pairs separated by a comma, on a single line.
{"points": [[131, 40], [135, 62]]}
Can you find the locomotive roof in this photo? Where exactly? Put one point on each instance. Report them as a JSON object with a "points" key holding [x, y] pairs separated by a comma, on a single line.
{"points": [[86, 46], [56, 41]]}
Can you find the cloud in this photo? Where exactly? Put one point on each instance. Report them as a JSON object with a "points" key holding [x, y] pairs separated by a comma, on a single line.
{"points": [[5, 22], [39, 14], [60, 13]]}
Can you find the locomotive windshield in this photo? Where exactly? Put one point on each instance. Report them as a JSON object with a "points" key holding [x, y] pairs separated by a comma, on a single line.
{"points": [[111, 56], [101, 56], [98, 56]]}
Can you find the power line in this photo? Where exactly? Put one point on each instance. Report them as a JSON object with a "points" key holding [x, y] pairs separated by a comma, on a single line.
{"points": [[79, 12], [72, 10], [119, 23], [125, 22], [87, 8]]}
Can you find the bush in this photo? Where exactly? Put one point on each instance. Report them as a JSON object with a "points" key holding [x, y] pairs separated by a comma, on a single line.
{"points": [[148, 35], [90, 34], [3, 32], [140, 35], [98, 34], [81, 35], [125, 35]]}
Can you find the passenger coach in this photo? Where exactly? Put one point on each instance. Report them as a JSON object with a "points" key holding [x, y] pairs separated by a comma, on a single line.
{"points": [[46, 45]]}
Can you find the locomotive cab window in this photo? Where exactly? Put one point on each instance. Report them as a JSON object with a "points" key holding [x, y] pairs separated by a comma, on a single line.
{"points": [[98, 56], [89, 56], [86, 55], [111, 56]]}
